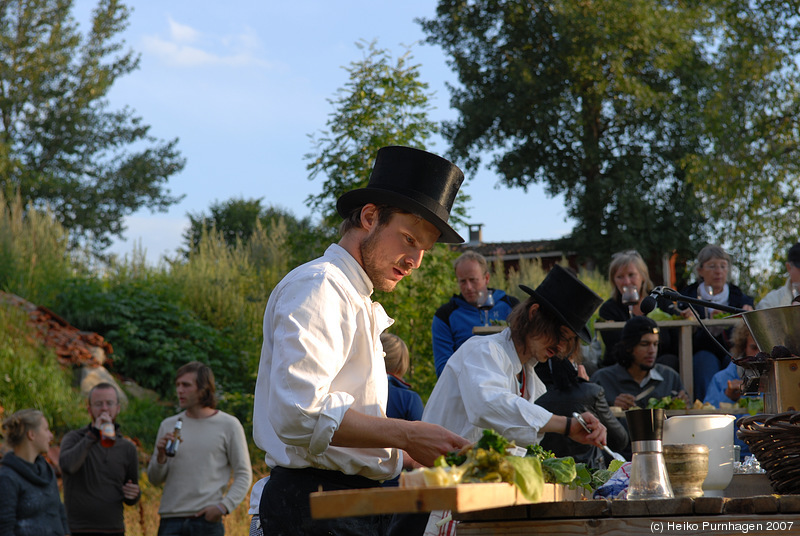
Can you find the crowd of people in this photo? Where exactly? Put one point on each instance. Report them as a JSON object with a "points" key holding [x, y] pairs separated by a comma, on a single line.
{"points": [[332, 410]]}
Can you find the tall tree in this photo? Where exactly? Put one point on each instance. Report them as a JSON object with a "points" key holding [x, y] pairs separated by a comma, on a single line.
{"points": [[60, 145], [237, 220], [748, 171], [383, 103], [623, 106]]}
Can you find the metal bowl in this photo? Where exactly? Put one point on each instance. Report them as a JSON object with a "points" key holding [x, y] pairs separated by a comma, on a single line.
{"points": [[778, 326]]}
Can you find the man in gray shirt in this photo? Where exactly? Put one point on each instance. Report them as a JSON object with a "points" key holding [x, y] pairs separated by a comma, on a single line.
{"points": [[636, 370]]}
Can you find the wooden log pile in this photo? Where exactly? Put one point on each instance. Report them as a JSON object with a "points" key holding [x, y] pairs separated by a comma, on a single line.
{"points": [[71, 345]]}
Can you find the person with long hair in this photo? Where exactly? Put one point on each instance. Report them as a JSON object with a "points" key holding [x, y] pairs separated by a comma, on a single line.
{"points": [[568, 392], [628, 269], [29, 501]]}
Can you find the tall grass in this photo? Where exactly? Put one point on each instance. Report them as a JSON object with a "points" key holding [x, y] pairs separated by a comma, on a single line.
{"points": [[34, 252], [30, 376]]}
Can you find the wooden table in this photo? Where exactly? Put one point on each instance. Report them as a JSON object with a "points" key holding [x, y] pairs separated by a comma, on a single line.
{"points": [[718, 516], [685, 337]]}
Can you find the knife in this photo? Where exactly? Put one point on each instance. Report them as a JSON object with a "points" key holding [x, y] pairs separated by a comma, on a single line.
{"points": [[644, 393], [610, 452]]}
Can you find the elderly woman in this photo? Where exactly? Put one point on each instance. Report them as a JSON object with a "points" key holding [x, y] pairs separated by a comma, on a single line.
{"points": [[713, 265], [29, 501], [628, 269]]}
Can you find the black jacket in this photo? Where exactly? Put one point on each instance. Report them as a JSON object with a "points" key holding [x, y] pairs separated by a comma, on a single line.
{"points": [[29, 500]]}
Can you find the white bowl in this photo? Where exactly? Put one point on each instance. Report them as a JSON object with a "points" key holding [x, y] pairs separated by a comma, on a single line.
{"points": [[714, 431]]}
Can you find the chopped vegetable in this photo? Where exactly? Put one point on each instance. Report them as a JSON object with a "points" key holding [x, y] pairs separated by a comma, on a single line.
{"points": [[666, 402]]}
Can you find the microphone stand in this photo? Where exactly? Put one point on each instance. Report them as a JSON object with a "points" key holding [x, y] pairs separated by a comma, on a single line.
{"points": [[673, 295]]}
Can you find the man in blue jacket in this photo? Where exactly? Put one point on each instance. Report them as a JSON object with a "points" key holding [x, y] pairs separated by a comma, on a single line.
{"points": [[453, 321]]}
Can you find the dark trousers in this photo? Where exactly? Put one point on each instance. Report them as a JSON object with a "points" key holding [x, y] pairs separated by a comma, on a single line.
{"points": [[285, 508], [189, 526]]}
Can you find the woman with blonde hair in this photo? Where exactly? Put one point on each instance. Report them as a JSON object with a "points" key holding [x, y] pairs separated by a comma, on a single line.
{"points": [[403, 402], [628, 269], [29, 501]]}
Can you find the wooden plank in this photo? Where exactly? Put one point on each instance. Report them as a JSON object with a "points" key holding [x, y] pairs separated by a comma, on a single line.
{"points": [[757, 525], [658, 507], [789, 504], [709, 505], [461, 498]]}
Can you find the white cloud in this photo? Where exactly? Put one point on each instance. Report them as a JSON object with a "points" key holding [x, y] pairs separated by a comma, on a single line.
{"points": [[188, 47], [182, 33]]}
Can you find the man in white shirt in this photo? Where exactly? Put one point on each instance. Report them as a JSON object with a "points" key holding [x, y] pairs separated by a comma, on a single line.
{"points": [[489, 382], [320, 399], [785, 294]]}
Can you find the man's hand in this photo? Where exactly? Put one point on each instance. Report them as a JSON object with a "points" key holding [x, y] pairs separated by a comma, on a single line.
{"points": [[212, 513], [410, 463], [625, 401], [161, 447], [734, 390], [130, 490], [101, 419], [596, 437], [426, 442]]}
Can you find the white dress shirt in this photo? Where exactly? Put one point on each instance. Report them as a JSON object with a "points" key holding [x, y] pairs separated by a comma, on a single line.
{"points": [[321, 356], [478, 390]]}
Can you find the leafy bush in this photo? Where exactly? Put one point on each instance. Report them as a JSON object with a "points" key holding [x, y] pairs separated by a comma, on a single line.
{"points": [[141, 418], [151, 336], [30, 376]]}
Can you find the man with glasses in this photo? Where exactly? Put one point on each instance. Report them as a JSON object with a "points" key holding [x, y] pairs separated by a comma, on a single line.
{"points": [[785, 294], [99, 479], [490, 383]]}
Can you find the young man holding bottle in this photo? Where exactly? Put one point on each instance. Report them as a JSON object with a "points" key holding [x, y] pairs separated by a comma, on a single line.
{"points": [[211, 449], [100, 469]]}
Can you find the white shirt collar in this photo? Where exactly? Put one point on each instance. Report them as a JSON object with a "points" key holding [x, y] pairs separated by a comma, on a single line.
{"points": [[651, 374], [351, 268]]}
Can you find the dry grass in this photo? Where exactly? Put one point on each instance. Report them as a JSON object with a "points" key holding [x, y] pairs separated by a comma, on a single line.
{"points": [[142, 519]]}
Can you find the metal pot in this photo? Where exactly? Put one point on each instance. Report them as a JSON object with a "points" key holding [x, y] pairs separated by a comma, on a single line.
{"points": [[778, 326]]}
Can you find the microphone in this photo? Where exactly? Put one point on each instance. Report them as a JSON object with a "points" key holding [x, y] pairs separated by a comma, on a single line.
{"points": [[648, 303]]}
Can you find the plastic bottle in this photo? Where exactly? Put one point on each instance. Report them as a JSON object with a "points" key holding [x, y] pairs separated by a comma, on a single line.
{"points": [[108, 434], [173, 444]]}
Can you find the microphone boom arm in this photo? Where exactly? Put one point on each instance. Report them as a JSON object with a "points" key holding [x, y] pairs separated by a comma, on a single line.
{"points": [[673, 295]]}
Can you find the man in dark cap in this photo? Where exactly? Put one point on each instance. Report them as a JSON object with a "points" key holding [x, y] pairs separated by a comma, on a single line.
{"points": [[320, 400], [489, 382], [785, 294], [636, 370]]}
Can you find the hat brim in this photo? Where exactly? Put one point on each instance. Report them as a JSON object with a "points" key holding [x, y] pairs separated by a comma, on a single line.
{"points": [[360, 197], [581, 331]]}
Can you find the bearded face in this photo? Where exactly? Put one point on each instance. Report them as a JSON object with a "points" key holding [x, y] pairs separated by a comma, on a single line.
{"points": [[390, 252]]}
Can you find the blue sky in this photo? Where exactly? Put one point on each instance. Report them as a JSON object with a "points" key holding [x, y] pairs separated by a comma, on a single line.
{"points": [[243, 84]]}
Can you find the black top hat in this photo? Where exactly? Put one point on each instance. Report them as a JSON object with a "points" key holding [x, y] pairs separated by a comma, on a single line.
{"points": [[413, 180], [572, 302]]}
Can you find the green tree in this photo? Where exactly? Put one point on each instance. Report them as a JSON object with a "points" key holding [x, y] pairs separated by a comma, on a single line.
{"points": [[237, 221], [60, 145], [383, 103], [747, 171], [589, 99]]}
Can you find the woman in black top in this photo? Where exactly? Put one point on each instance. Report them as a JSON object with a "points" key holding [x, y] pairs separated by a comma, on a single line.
{"points": [[29, 501], [628, 268]]}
